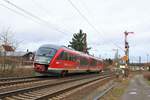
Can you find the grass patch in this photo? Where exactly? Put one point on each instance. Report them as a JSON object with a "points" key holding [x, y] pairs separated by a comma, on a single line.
{"points": [[117, 91], [17, 72], [146, 76], [148, 82]]}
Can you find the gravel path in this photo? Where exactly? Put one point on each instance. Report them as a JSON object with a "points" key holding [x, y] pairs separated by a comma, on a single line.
{"points": [[138, 89]]}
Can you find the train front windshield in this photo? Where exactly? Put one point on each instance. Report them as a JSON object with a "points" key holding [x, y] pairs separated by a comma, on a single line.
{"points": [[44, 55]]}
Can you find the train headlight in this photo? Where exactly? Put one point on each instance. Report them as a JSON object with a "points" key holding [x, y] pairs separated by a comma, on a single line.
{"points": [[48, 61]]}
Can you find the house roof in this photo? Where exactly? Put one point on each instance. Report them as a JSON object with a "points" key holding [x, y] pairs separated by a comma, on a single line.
{"points": [[8, 48], [19, 54]]}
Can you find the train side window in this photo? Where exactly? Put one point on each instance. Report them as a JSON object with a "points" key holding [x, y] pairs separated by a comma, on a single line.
{"points": [[83, 61], [60, 57], [69, 57], [66, 56], [93, 62], [73, 58], [99, 62], [63, 56]]}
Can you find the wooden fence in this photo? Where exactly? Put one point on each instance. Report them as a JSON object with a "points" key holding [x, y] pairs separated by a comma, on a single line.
{"points": [[9, 63]]}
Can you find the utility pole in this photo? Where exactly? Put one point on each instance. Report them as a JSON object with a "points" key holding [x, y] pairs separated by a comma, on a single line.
{"points": [[139, 59], [116, 58], [148, 62], [147, 57]]}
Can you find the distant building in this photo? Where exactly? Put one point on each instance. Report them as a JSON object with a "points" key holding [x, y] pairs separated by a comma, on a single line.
{"points": [[4, 49], [28, 56], [8, 51]]}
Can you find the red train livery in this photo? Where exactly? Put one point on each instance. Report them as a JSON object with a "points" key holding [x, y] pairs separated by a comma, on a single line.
{"points": [[53, 59]]}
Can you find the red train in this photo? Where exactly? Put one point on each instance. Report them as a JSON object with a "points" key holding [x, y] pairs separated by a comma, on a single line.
{"points": [[53, 59]]}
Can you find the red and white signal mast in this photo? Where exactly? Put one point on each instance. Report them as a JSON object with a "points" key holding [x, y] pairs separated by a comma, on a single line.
{"points": [[127, 47]]}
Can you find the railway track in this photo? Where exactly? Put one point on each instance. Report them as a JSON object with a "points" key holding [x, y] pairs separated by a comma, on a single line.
{"points": [[50, 89], [14, 78], [103, 93], [18, 81], [6, 82]]}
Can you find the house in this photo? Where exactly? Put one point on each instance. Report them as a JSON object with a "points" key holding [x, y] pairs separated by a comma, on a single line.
{"points": [[4, 49], [27, 56], [8, 51]]}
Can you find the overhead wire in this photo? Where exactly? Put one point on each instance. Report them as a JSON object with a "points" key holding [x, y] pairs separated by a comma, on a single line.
{"points": [[90, 24], [15, 11], [43, 21], [34, 16], [40, 7]]}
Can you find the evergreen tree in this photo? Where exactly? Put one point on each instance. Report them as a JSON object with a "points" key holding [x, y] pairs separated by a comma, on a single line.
{"points": [[79, 42]]}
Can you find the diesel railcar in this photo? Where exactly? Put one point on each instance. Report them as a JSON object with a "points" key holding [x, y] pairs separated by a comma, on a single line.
{"points": [[53, 59]]}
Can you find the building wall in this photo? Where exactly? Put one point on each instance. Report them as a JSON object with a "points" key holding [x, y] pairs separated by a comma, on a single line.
{"points": [[1, 49]]}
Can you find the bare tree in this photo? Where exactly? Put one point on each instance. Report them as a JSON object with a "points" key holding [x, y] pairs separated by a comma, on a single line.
{"points": [[7, 38]]}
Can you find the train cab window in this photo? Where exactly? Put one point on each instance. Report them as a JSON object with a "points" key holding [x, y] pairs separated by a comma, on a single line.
{"points": [[46, 51]]}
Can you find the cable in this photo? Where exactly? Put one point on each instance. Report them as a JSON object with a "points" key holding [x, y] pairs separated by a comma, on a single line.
{"points": [[17, 12], [33, 16], [82, 15], [39, 6], [45, 22], [86, 19]]}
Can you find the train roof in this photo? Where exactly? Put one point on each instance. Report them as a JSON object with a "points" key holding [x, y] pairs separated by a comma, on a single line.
{"points": [[58, 47], [51, 46]]}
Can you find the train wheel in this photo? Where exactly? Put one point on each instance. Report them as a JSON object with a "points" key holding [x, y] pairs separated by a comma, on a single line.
{"points": [[99, 72], [88, 71], [64, 73]]}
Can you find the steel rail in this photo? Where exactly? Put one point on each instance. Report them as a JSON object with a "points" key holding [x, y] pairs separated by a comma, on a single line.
{"points": [[16, 78], [34, 88], [58, 92], [104, 92]]}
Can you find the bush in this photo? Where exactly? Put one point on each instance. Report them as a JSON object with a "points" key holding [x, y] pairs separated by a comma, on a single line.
{"points": [[146, 75]]}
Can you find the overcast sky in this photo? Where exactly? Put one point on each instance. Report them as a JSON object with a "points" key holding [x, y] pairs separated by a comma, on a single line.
{"points": [[59, 20]]}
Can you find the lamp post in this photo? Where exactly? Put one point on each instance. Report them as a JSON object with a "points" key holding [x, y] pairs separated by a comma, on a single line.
{"points": [[147, 58], [116, 59], [148, 62]]}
